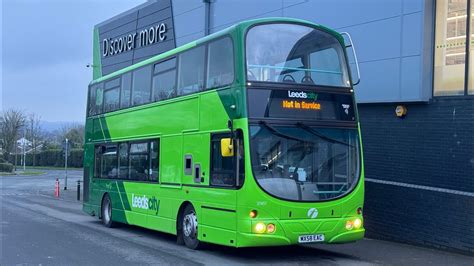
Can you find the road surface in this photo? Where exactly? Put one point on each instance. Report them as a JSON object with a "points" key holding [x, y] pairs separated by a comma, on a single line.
{"points": [[37, 228]]}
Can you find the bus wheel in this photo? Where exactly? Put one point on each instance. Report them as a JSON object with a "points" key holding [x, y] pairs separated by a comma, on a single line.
{"points": [[189, 228], [106, 212]]}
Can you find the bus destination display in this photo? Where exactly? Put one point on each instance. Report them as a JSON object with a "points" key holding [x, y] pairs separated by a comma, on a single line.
{"points": [[300, 104]]}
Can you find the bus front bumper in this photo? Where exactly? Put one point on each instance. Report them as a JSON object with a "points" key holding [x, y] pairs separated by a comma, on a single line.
{"points": [[288, 232]]}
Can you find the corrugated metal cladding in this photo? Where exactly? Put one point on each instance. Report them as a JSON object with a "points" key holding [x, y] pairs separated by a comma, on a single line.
{"points": [[150, 14], [393, 38]]}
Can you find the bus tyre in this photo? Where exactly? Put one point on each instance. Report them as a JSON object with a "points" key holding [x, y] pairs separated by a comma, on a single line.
{"points": [[106, 212], [189, 228]]}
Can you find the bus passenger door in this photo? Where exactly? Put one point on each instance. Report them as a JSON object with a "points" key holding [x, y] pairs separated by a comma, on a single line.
{"points": [[219, 215]]}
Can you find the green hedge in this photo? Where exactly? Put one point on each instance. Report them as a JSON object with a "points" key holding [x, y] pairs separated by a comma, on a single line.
{"points": [[6, 167], [56, 158]]}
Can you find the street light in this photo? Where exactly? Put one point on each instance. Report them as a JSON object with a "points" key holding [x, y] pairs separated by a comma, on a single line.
{"points": [[24, 151], [65, 164], [16, 152]]}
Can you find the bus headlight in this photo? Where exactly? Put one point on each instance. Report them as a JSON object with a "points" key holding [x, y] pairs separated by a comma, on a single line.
{"points": [[357, 223], [260, 228]]}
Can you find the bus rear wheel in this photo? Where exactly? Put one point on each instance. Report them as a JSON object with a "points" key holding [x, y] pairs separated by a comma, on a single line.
{"points": [[189, 228], [106, 212]]}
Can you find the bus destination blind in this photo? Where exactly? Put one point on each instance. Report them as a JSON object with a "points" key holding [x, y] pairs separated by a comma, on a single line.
{"points": [[300, 104]]}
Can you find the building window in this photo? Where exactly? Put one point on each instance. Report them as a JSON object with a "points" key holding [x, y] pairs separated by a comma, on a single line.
{"points": [[450, 48]]}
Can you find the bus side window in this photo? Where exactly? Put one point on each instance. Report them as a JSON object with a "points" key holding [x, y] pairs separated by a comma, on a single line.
{"points": [[91, 107], [126, 89], [109, 161], [164, 80], [191, 70], [123, 161], [95, 99], [223, 169], [97, 159], [220, 67], [154, 160], [111, 95], [99, 99], [139, 161], [141, 86]]}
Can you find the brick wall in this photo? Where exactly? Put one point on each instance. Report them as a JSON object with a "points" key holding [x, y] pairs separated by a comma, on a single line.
{"points": [[432, 146]]}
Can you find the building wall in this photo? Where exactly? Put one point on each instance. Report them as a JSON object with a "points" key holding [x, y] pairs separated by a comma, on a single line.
{"points": [[428, 160], [389, 35], [189, 20]]}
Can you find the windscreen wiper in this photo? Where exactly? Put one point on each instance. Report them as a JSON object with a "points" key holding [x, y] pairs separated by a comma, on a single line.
{"points": [[321, 136], [278, 133]]}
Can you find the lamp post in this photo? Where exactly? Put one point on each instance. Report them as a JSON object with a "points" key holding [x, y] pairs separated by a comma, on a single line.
{"points": [[65, 164], [16, 152], [24, 152]]}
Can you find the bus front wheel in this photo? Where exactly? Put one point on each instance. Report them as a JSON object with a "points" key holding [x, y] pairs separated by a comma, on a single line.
{"points": [[106, 211], [189, 228]]}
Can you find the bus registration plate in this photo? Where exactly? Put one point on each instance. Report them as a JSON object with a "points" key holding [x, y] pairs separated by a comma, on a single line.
{"points": [[310, 238]]}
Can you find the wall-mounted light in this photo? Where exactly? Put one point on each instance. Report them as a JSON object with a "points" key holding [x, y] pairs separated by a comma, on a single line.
{"points": [[401, 111]]}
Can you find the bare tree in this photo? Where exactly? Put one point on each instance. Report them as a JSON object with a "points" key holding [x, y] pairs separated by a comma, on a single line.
{"points": [[73, 132], [76, 136], [11, 122], [34, 133]]}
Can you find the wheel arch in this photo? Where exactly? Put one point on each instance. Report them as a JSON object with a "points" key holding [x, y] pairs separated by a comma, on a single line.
{"points": [[179, 217], [106, 194]]}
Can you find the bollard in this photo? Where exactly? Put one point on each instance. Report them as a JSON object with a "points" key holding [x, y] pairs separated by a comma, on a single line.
{"points": [[56, 188], [78, 189]]}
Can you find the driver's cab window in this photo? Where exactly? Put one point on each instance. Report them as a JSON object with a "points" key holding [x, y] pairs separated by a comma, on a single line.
{"points": [[224, 169]]}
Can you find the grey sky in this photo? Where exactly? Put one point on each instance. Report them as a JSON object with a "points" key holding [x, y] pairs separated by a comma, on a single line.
{"points": [[45, 48]]}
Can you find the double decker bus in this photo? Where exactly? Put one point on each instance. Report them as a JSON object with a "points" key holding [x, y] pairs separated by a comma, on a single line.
{"points": [[247, 137]]}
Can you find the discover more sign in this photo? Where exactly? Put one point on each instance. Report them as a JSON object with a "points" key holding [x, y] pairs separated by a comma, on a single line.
{"points": [[147, 36], [136, 35]]}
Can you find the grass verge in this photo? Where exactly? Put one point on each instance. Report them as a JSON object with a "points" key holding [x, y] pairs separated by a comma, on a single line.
{"points": [[6, 173], [28, 172], [51, 168]]}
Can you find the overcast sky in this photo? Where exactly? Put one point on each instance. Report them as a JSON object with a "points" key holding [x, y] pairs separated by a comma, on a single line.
{"points": [[46, 45]]}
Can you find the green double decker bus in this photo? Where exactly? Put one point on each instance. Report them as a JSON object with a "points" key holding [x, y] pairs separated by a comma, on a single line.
{"points": [[247, 137]]}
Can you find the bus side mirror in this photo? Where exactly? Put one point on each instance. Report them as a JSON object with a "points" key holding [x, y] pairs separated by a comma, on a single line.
{"points": [[355, 73], [227, 147]]}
